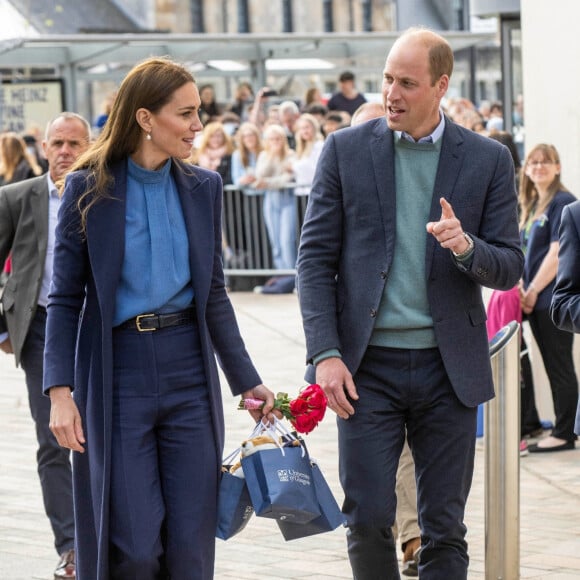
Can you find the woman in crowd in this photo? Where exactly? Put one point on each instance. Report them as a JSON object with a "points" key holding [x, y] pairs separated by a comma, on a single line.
{"points": [[542, 198], [210, 110], [243, 98], [313, 96], [215, 151], [16, 162], [137, 308], [505, 306], [309, 142], [244, 158], [273, 174]]}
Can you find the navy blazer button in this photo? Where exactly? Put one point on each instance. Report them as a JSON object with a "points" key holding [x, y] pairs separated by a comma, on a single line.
{"points": [[383, 275], [373, 313]]}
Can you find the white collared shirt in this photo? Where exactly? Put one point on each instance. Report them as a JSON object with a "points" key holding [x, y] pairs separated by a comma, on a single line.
{"points": [[432, 138], [53, 205]]}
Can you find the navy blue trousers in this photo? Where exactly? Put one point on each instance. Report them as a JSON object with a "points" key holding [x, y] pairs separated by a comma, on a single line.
{"points": [[53, 461], [164, 469], [397, 389]]}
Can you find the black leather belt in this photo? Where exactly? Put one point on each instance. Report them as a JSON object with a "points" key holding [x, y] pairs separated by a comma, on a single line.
{"points": [[149, 322]]}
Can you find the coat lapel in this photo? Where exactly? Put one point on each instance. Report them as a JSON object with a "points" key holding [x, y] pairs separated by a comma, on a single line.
{"points": [[197, 205], [450, 161], [383, 155], [40, 213], [106, 240]]}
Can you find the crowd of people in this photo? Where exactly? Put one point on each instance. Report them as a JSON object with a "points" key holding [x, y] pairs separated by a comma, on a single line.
{"points": [[393, 346]]}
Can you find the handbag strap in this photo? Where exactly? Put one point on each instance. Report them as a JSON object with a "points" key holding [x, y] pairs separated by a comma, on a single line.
{"points": [[258, 428], [281, 428]]}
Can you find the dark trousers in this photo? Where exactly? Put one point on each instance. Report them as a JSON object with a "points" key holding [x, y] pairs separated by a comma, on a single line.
{"points": [[53, 461], [556, 349], [399, 388], [529, 419], [164, 469]]}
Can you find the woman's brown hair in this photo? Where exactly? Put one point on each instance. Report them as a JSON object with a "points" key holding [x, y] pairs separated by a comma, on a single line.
{"points": [[12, 151], [149, 85]]}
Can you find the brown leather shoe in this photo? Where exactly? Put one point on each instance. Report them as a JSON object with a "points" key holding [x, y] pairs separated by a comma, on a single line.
{"points": [[66, 567], [411, 557]]}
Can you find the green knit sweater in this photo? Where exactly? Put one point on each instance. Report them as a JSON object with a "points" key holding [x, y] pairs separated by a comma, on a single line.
{"points": [[404, 319]]}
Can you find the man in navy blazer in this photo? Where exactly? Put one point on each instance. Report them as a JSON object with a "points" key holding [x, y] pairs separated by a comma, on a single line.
{"points": [[408, 217], [565, 307]]}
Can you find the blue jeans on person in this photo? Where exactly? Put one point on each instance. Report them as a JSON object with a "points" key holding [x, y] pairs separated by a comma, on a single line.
{"points": [[280, 217], [164, 466], [53, 461], [398, 388]]}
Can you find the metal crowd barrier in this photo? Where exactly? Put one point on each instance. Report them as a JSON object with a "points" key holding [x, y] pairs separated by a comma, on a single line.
{"points": [[502, 458], [246, 235]]}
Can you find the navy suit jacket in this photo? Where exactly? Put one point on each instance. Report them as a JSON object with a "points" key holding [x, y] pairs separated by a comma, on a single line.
{"points": [[565, 307], [348, 242], [79, 333]]}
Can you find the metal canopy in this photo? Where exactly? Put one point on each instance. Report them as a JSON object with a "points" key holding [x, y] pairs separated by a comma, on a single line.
{"points": [[97, 56], [85, 50]]}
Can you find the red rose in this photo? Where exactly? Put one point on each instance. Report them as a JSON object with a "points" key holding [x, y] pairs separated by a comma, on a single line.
{"points": [[304, 412], [311, 389], [298, 406], [304, 423], [318, 414], [317, 400]]}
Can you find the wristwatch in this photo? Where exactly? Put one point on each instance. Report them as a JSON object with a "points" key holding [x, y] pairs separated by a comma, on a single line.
{"points": [[470, 246]]}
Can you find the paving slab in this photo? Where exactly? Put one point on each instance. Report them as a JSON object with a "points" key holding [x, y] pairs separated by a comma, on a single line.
{"points": [[550, 493]]}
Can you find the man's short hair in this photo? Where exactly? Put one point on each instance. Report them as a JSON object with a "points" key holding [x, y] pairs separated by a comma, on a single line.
{"points": [[346, 76], [68, 115], [289, 106]]}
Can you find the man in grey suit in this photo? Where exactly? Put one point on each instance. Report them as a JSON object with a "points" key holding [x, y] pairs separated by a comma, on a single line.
{"points": [[28, 211], [409, 215]]}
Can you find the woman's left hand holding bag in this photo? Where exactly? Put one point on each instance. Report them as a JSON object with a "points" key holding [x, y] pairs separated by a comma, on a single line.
{"points": [[65, 419]]}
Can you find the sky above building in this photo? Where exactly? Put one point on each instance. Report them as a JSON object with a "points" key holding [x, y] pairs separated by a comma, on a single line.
{"points": [[13, 24]]}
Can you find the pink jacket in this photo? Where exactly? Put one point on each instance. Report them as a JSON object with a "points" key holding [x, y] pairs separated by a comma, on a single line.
{"points": [[503, 307]]}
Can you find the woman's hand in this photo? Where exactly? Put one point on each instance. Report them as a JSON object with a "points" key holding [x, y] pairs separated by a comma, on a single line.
{"points": [[529, 297], [263, 393], [247, 179], [65, 419]]}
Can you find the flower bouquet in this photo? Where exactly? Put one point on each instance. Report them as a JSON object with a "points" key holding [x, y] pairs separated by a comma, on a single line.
{"points": [[304, 412]]}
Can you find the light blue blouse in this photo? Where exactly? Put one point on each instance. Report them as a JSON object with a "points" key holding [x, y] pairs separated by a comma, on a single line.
{"points": [[155, 276]]}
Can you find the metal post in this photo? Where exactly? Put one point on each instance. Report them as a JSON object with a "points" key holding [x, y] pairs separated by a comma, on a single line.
{"points": [[502, 459]]}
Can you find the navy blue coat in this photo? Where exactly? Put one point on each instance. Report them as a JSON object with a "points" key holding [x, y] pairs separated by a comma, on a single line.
{"points": [[348, 242], [565, 307], [79, 348]]}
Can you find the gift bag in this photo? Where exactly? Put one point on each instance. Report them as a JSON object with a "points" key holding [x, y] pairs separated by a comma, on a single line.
{"points": [[330, 515], [234, 503], [280, 483]]}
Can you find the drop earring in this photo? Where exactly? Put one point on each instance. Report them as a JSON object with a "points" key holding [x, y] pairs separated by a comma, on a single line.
{"points": [[148, 136]]}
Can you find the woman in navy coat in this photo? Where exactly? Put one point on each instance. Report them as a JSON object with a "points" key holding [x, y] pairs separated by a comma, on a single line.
{"points": [[565, 306], [138, 307]]}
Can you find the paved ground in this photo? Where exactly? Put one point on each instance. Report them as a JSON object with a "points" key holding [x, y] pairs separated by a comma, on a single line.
{"points": [[550, 489]]}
